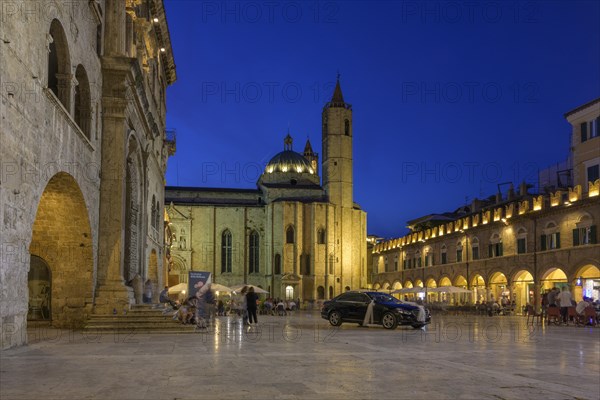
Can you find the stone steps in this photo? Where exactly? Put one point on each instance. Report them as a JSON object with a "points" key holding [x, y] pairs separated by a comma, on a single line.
{"points": [[140, 318]]}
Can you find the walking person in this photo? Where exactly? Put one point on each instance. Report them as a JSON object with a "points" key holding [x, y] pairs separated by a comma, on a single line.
{"points": [[243, 305], [564, 298], [251, 299]]}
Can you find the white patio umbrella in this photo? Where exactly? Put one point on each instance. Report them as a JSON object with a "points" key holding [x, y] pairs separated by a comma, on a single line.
{"points": [[258, 290], [220, 288], [178, 288], [449, 289], [409, 290]]}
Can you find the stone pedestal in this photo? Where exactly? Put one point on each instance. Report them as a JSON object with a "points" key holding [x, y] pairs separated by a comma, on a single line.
{"points": [[113, 295]]}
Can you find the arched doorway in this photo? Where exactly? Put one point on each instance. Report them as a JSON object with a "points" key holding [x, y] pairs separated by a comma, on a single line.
{"points": [[431, 296], [320, 293], [554, 277], [588, 283], [478, 286], [463, 298], [289, 292], [62, 240], [443, 296], [408, 285], [420, 295], [498, 287], [396, 286], [524, 290], [40, 288]]}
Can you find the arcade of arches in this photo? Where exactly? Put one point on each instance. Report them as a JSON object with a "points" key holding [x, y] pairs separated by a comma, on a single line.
{"points": [[517, 286]]}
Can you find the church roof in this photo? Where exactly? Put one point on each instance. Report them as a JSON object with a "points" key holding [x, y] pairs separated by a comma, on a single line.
{"points": [[308, 148], [289, 161], [337, 100], [337, 93]]}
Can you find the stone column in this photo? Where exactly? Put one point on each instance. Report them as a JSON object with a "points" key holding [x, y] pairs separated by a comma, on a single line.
{"points": [[112, 292], [537, 296], [114, 31]]}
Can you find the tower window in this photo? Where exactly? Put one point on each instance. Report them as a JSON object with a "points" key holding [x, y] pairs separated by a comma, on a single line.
{"points": [[226, 251], [253, 254], [346, 127], [321, 236], [289, 234], [277, 264]]}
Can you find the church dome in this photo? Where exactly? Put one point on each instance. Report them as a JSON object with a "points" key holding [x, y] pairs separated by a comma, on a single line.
{"points": [[289, 161]]}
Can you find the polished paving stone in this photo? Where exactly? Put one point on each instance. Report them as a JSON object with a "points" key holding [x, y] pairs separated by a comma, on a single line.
{"points": [[302, 357]]}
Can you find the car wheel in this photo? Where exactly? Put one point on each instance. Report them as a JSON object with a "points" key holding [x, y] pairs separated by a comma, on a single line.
{"points": [[335, 318], [389, 321]]}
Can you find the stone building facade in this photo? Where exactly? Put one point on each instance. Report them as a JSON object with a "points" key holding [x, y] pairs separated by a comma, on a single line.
{"points": [[290, 235], [83, 157], [515, 245]]}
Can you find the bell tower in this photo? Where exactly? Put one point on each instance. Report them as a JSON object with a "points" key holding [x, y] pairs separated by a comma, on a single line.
{"points": [[337, 149]]}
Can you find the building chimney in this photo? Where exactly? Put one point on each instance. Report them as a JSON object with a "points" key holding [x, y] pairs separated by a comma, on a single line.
{"points": [[523, 189], [511, 192]]}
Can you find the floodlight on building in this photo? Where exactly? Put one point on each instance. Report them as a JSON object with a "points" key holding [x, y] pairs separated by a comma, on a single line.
{"points": [[162, 50], [155, 20]]}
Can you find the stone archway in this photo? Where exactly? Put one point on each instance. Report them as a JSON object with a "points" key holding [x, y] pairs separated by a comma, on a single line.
{"points": [[554, 277], [478, 287], [62, 239], [39, 281], [430, 283], [587, 282], [522, 289], [498, 286]]}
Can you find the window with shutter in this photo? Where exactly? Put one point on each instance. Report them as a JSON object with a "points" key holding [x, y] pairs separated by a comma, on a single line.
{"points": [[583, 131], [593, 234], [543, 242], [521, 246], [575, 237]]}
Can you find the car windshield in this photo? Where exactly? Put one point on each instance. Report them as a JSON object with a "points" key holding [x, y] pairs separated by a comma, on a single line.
{"points": [[384, 298]]}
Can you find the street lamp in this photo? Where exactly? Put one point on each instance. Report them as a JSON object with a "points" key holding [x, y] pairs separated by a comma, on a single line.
{"points": [[467, 257], [467, 264]]}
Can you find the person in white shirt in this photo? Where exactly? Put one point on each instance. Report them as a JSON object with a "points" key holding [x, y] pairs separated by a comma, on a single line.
{"points": [[564, 299], [582, 305]]}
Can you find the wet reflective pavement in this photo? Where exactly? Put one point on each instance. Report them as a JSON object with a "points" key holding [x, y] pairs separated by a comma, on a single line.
{"points": [[302, 357]]}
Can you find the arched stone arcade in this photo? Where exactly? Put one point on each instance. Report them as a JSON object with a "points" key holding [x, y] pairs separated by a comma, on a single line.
{"points": [[62, 240]]}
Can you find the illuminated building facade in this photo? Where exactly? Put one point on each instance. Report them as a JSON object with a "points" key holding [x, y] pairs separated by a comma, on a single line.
{"points": [[290, 235], [516, 244], [84, 153]]}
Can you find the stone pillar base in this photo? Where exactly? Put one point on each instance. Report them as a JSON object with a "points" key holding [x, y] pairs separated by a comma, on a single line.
{"points": [[113, 296]]}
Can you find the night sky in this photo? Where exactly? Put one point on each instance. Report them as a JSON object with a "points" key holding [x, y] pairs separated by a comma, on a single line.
{"points": [[450, 99]]}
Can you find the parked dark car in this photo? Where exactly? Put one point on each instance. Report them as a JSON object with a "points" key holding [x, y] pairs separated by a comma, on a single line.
{"points": [[387, 310]]}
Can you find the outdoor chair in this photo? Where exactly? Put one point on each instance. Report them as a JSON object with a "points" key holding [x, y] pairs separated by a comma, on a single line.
{"points": [[533, 315], [553, 315], [590, 315], [571, 315]]}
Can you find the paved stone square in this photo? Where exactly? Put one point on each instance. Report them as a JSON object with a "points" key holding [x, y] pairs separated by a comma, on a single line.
{"points": [[303, 357]]}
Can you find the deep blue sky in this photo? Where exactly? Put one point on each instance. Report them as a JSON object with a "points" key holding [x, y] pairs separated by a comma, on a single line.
{"points": [[450, 99]]}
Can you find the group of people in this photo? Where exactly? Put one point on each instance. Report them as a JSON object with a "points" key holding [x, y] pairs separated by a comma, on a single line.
{"points": [[199, 309], [563, 299], [278, 306], [196, 309]]}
